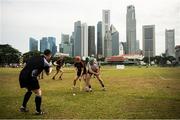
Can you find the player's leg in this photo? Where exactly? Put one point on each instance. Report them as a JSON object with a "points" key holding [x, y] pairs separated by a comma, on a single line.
{"points": [[57, 71], [38, 101], [25, 101], [100, 81], [74, 81], [88, 85], [60, 77]]}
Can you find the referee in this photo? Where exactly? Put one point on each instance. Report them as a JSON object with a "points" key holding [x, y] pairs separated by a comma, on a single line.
{"points": [[28, 79]]}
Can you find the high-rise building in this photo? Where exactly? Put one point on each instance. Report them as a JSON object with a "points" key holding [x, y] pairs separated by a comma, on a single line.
{"points": [[77, 38], [65, 38], [121, 49], [99, 39], [177, 53], [61, 48], [84, 40], [106, 35], [137, 45], [72, 42], [44, 44], [170, 42], [115, 41], [67, 49], [149, 40], [33, 44], [52, 44], [125, 48], [131, 29], [91, 40]]}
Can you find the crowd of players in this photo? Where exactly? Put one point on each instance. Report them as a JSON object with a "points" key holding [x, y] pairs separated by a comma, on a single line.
{"points": [[85, 68]]}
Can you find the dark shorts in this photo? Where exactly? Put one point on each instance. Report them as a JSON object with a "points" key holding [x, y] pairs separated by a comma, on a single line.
{"points": [[58, 68], [79, 73], [28, 82]]}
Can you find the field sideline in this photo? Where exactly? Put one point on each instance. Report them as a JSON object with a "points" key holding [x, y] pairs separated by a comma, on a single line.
{"points": [[131, 93]]}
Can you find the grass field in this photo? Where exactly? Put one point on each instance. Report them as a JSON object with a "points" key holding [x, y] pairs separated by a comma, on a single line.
{"points": [[131, 93]]}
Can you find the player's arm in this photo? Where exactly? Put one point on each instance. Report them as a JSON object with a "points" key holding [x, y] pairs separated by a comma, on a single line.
{"points": [[90, 70], [47, 67], [55, 63]]}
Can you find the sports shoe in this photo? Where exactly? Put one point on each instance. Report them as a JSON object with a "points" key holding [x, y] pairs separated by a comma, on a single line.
{"points": [[23, 109], [39, 113], [60, 78], [90, 89], [103, 89]]}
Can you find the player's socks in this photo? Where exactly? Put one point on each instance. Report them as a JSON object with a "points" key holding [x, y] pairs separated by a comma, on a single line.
{"points": [[38, 100], [26, 98]]}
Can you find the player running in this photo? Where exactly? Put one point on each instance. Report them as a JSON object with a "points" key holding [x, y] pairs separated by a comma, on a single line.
{"points": [[59, 64]]}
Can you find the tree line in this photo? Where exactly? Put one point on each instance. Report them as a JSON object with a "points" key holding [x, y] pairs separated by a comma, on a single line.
{"points": [[9, 55]]}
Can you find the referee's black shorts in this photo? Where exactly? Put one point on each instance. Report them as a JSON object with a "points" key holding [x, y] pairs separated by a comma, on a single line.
{"points": [[31, 83]]}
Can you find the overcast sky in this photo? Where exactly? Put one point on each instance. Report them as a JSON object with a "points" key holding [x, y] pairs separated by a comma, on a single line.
{"points": [[21, 19]]}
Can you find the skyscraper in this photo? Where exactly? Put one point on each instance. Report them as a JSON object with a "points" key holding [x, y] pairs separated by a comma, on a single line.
{"points": [[33, 44], [72, 42], [106, 35], [91, 40], [124, 44], [131, 29], [84, 40], [44, 44], [52, 44], [65, 38], [149, 40], [77, 38], [170, 42], [121, 49], [67, 49], [115, 41], [99, 39], [137, 45]]}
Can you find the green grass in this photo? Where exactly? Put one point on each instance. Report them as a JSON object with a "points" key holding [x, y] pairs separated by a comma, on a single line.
{"points": [[131, 93]]}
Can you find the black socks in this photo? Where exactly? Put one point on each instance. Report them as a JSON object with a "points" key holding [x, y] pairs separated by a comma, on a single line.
{"points": [[26, 98], [38, 100]]}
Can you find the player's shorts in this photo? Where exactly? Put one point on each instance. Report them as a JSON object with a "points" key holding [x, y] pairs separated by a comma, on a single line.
{"points": [[79, 73], [58, 68], [28, 82]]}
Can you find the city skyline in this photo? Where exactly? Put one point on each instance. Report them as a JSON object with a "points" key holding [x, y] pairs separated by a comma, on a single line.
{"points": [[21, 20]]}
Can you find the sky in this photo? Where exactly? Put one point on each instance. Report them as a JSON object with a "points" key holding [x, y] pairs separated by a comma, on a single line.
{"points": [[22, 19]]}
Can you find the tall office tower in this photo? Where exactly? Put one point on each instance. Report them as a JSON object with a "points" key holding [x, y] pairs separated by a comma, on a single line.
{"points": [[131, 29], [121, 49], [91, 40], [65, 38], [106, 35], [99, 39], [115, 40], [149, 40], [52, 44], [44, 44], [84, 40], [77, 38], [72, 42], [170, 42], [33, 44], [137, 46], [124, 44]]}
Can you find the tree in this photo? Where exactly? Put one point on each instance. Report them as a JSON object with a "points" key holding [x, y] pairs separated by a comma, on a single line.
{"points": [[8, 54], [30, 54]]}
